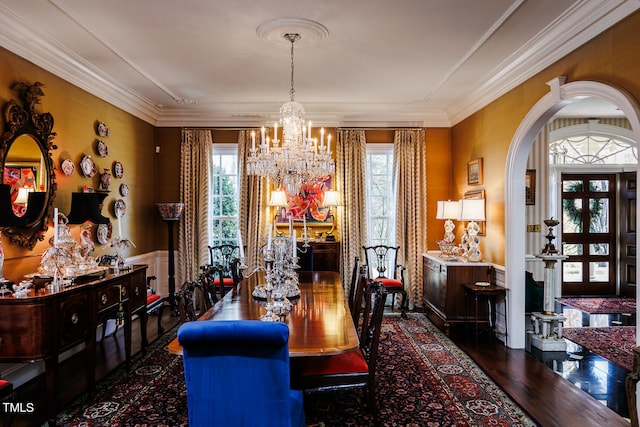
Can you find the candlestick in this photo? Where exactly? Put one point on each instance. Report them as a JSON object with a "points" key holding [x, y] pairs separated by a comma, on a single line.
{"points": [[269, 238], [55, 227], [304, 226], [293, 244]]}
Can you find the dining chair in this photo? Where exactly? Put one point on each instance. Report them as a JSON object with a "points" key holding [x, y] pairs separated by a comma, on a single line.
{"points": [[383, 260], [353, 369], [354, 281], [237, 374], [360, 286], [185, 302], [224, 259]]}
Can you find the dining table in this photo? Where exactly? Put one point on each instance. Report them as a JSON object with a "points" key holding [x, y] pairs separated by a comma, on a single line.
{"points": [[320, 321]]}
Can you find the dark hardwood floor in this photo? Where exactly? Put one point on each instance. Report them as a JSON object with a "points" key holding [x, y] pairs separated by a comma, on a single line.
{"points": [[546, 396], [539, 387]]}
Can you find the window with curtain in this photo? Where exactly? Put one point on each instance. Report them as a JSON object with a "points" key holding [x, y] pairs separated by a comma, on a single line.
{"points": [[380, 197], [225, 194]]}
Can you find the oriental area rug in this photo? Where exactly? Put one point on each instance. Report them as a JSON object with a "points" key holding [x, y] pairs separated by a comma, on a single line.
{"points": [[614, 343], [423, 379], [615, 305]]}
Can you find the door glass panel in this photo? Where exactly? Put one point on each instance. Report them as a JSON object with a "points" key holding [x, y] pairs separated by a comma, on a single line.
{"points": [[599, 215], [572, 216], [571, 186], [572, 249], [599, 271], [598, 185], [598, 249], [572, 271]]}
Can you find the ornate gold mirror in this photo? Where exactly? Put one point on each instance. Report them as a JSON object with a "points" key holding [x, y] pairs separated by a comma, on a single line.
{"points": [[28, 187]]}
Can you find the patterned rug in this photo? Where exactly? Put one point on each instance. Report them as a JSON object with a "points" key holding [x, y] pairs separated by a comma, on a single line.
{"points": [[423, 379], [615, 305], [614, 343]]}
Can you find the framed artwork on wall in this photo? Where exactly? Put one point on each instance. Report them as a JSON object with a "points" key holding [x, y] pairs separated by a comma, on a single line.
{"points": [[474, 172], [530, 187]]}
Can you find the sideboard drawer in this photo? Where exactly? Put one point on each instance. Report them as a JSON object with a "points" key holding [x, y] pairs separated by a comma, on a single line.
{"points": [[110, 295]]}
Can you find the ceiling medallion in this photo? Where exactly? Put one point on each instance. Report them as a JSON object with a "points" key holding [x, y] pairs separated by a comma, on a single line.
{"points": [[311, 32]]}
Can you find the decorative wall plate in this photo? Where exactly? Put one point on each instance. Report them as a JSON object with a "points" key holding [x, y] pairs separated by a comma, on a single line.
{"points": [[118, 170], [67, 167], [124, 190], [103, 130], [103, 149], [102, 233], [88, 167], [119, 208]]}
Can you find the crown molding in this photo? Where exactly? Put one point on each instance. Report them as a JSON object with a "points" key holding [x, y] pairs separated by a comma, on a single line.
{"points": [[33, 45], [585, 20]]}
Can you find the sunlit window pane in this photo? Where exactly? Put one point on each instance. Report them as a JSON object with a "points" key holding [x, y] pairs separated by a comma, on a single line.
{"points": [[572, 215], [572, 271], [599, 215], [572, 186], [599, 185], [569, 249], [224, 198], [599, 249], [599, 271], [380, 197]]}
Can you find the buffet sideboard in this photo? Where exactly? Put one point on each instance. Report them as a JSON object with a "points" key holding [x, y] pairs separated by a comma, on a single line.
{"points": [[443, 292], [48, 322]]}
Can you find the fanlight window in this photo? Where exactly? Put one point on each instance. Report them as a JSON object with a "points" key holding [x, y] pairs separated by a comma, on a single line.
{"points": [[592, 143]]}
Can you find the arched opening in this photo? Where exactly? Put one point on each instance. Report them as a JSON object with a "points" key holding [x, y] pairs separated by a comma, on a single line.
{"points": [[560, 95]]}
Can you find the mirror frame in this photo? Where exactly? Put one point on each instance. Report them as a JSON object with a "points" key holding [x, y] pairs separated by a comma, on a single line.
{"points": [[24, 120]]}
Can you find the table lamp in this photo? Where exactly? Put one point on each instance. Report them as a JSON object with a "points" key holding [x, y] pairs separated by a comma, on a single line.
{"points": [[448, 210], [472, 210], [331, 198]]}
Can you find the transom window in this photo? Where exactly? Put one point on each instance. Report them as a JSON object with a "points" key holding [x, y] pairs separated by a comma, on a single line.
{"points": [[224, 194], [380, 196]]}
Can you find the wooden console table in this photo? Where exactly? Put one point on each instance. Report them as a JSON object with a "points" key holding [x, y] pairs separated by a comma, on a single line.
{"points": [[47, 323]]}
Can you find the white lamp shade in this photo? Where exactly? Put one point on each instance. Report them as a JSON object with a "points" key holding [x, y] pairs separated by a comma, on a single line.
{"points": [[447, 209], [278, 198], [23, 196], [472, 210], [331, 198]]}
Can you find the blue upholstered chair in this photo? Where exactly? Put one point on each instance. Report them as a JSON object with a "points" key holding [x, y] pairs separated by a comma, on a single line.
{"points": [[237, 374]]}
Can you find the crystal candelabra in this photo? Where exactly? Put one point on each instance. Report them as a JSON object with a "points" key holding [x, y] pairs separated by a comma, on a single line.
{"points": [[281, 279]]}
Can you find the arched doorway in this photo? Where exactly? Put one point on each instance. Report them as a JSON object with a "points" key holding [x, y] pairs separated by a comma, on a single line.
{"points": [[561, 94]]}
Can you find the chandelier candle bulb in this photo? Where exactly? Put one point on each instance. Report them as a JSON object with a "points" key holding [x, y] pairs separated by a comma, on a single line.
{"points": [[275, 134], [253, 141], [304, 227], [119, 227], [269, 238], [321, 138], [329, 144], [262, 140]]}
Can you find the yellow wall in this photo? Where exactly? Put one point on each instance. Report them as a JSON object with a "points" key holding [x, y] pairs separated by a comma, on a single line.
{"points": [[76, 114], [612, 58]]}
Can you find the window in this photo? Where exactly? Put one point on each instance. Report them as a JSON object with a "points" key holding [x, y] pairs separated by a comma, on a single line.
{"points": [[224, 194], [380, 196]]}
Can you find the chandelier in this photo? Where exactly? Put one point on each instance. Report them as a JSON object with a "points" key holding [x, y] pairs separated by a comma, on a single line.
{"points": [[296, 158]]}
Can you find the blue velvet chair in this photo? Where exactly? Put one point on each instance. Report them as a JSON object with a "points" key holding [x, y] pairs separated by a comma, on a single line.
{"points": [[237, 374]]}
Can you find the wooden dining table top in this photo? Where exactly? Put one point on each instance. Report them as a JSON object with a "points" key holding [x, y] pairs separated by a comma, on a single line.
{"points": [[320, 322]]}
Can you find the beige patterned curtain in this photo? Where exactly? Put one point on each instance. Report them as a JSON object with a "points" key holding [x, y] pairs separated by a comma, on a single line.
{"points": [[409, 162], [351, 151], [194, 230], [254, 196]]}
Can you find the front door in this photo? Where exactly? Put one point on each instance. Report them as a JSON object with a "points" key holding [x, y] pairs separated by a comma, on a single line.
{"points": [[589, 234], [628, 184]]}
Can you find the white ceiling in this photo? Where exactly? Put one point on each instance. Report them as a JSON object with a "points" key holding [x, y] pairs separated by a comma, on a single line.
{"points": [[382, 63]]}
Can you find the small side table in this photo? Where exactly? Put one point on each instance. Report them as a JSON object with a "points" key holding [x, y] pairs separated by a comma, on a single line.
{"points": [[492, 293]]}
